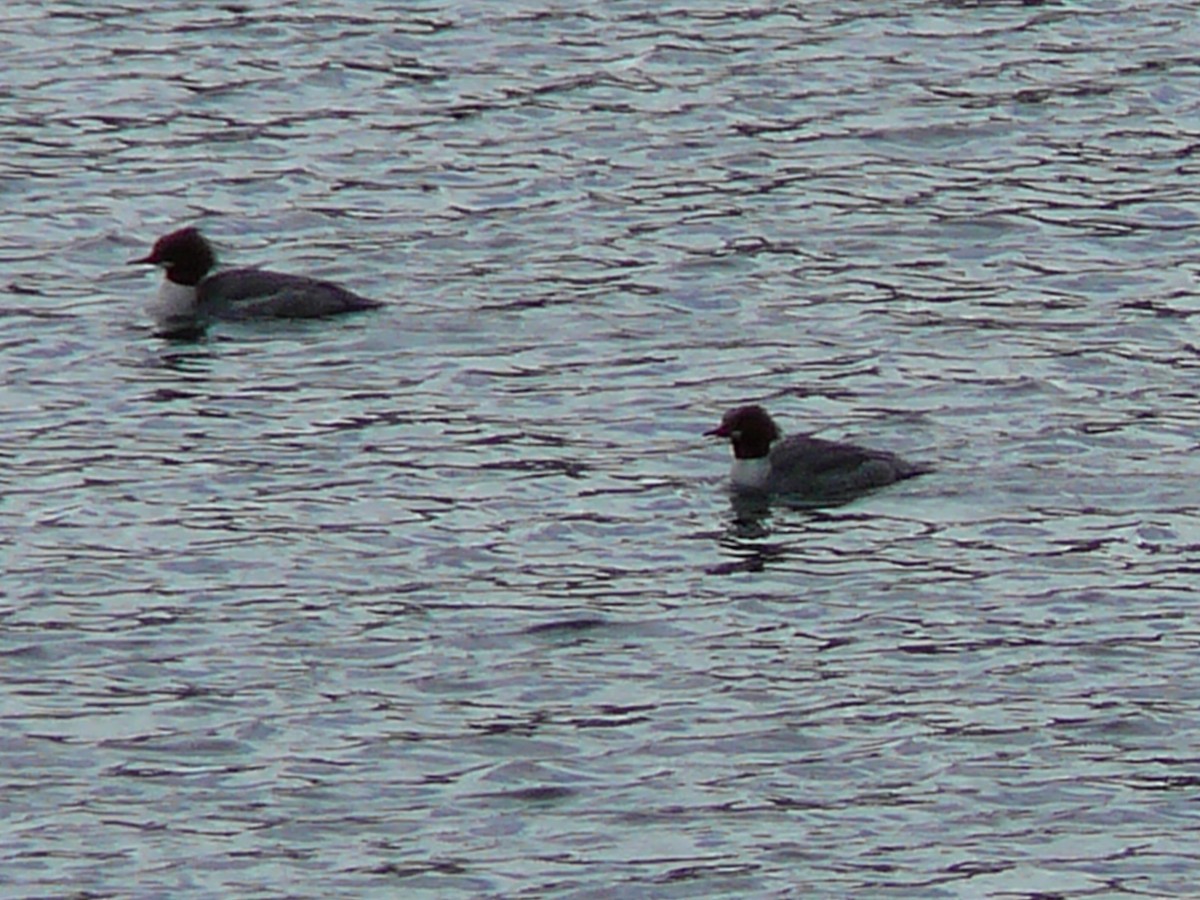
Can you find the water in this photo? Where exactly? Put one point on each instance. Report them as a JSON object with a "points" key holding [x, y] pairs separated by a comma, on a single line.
{"points": [[450, 599]]}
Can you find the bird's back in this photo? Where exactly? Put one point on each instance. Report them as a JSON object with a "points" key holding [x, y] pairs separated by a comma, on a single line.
{"points": [[250, 293], [816, 467]]}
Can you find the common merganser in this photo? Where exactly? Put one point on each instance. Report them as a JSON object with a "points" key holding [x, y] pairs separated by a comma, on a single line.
{"points": [[765, 462], [190, 297]]}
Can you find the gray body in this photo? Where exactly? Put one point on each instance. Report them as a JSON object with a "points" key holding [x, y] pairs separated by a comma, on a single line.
{"points": [[247, 293], [808, 466]]}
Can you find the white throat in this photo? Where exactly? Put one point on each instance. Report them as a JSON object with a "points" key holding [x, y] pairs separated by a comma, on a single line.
{"points": [[751, 474], [174, 302]]}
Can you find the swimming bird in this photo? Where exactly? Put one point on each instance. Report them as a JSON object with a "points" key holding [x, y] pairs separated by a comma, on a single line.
{"points": [[765, 462], [192, 294]]}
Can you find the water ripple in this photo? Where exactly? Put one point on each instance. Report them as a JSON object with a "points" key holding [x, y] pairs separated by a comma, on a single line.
{"points": [[451, 599]]}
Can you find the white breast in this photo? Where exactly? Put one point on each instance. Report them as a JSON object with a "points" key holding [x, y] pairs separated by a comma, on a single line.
{"points": [[750, 474], [174, 302]]}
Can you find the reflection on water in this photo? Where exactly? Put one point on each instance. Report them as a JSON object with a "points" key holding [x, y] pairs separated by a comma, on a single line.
{"points": [[454, 600]]}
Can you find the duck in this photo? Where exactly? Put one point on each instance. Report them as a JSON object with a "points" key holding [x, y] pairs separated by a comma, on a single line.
{"points": [[767, 463], [192, 294]]}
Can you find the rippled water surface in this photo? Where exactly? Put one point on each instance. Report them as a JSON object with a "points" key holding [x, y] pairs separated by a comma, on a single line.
{"points": [[450, 599]]}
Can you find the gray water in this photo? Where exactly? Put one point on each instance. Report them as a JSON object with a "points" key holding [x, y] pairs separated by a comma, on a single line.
{"points": [[451, 600]]}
